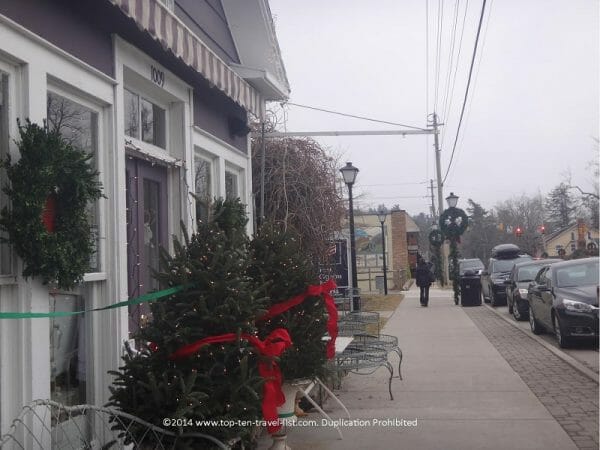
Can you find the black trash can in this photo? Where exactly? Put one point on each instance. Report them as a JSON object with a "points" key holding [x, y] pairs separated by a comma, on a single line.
{"points": [[470, 289]]}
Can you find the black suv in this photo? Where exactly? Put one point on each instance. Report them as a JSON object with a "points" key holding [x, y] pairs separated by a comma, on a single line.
{"points": [[503, 259]]}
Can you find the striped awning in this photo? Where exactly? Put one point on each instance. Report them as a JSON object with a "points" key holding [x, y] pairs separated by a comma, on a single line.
{"points": [[154, 18]]}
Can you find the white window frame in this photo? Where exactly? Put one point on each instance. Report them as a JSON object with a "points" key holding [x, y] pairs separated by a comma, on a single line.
{"points": [[241, 180], [213, 160], [14, 86], [142, 145], [82, 99]]}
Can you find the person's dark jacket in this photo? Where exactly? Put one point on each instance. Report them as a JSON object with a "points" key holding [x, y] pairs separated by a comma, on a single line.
{"points": [[423, 275]]}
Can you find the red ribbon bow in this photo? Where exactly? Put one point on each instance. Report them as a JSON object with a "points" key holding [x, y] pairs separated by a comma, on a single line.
{"points": [[273, 345], [313, 291]]}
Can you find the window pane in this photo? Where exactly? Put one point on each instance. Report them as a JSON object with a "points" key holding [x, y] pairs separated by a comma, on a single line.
{"points": [[132, 114], [150, 231], [78, 125], [153, 124], [231, 185], [67, 351], [5, 251], [202, 188]]}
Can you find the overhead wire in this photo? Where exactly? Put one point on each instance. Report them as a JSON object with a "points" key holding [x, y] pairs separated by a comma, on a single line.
{"points": [[449, 108], [353, 116], [426, 84], [450, 62], [438, 52], [478, 67], [462, 112]]}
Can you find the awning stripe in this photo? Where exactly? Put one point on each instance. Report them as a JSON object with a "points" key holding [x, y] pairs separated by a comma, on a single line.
{"points": [[165, 27]]}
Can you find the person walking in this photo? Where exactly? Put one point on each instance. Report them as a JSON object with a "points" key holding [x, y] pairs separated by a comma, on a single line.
{"points": [[423, 278]]}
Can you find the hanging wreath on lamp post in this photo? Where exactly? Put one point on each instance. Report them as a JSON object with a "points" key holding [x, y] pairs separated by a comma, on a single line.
{"points": [[453, 223], [48, 222]]}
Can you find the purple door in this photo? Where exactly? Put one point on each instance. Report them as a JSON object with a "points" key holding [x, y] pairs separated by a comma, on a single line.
{"points": [[146, 231]]}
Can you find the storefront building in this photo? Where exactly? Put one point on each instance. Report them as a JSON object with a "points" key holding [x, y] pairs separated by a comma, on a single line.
{"points": [[161, 94]]}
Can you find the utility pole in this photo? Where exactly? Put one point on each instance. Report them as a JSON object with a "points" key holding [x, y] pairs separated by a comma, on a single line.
{"points": [[438, 167], [433, 214]]}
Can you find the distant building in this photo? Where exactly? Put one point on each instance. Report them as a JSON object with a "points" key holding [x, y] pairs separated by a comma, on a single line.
{"points": [[401, 244], [565, 241]]}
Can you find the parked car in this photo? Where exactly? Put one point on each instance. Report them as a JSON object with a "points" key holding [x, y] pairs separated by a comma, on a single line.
{"points": [[474, 264], [522, 274], [563, 298], [503, 259]]}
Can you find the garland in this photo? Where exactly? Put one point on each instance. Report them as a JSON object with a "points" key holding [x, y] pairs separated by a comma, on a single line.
{"points": [[55, 247]]}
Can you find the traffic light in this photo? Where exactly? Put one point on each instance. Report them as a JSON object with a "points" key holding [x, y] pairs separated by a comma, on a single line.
{"points": [[519, 232]]}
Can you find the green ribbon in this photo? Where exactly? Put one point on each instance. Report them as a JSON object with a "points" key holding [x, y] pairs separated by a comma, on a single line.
{"points": [[134, 301]]}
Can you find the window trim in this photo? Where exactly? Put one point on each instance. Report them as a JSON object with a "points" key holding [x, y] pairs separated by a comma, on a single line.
{"points": [[240, 176], [139, 142], [73, 95]]}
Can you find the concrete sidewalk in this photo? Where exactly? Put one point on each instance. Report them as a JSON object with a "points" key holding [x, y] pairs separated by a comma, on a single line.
{"points": [[458, 393]]}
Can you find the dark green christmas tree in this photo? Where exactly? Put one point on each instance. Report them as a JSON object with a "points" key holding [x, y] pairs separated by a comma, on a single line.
{"points": [[282, 271], [221, 381]]}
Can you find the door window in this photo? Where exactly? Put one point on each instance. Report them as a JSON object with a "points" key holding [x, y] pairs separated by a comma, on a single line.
{"points": [[147, 213]]}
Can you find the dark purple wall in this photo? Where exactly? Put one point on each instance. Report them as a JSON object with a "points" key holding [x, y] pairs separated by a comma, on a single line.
{"points": [[207, 19], [214, 117], [64, 28]]}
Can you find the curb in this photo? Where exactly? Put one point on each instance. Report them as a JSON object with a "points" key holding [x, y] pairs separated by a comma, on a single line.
{"points": [[566, 358]]}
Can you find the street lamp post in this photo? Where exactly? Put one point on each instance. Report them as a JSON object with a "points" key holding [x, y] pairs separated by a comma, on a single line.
{"points": [[381, 216], [349, 173], [453, 223]]}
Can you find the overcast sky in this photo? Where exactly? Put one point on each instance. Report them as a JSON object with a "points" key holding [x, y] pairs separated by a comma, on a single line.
{"points": [[534, 97]]}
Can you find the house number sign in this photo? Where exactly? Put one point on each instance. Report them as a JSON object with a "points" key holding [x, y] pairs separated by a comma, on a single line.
{"points": [[157, 76]]}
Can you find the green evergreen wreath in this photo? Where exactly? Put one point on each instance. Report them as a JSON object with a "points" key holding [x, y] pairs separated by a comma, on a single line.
{"points": [[50, 166], [436, 238], [453, 222]]}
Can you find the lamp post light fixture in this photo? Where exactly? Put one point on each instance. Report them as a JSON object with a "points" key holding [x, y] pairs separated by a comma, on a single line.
{"points": [[452, 200], [453, 223], [349, 173], [381, 215]]}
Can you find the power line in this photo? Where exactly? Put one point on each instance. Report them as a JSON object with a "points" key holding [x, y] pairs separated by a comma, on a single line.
{"points": [[476, 77], [395, 184], [450, 58], [352, 115], [447, 111], [438, 51], [462, 112]]}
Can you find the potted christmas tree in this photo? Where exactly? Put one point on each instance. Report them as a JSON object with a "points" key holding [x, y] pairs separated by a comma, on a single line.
{"points": [[217, 381]]}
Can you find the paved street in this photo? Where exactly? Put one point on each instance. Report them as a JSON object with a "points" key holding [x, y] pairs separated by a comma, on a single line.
{"points": [[569, 396], [464, 391], [583, 352]]}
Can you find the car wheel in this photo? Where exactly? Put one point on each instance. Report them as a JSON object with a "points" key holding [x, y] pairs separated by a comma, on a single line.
{"points": [[559, 332], [536, 328], [516, 313]]}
